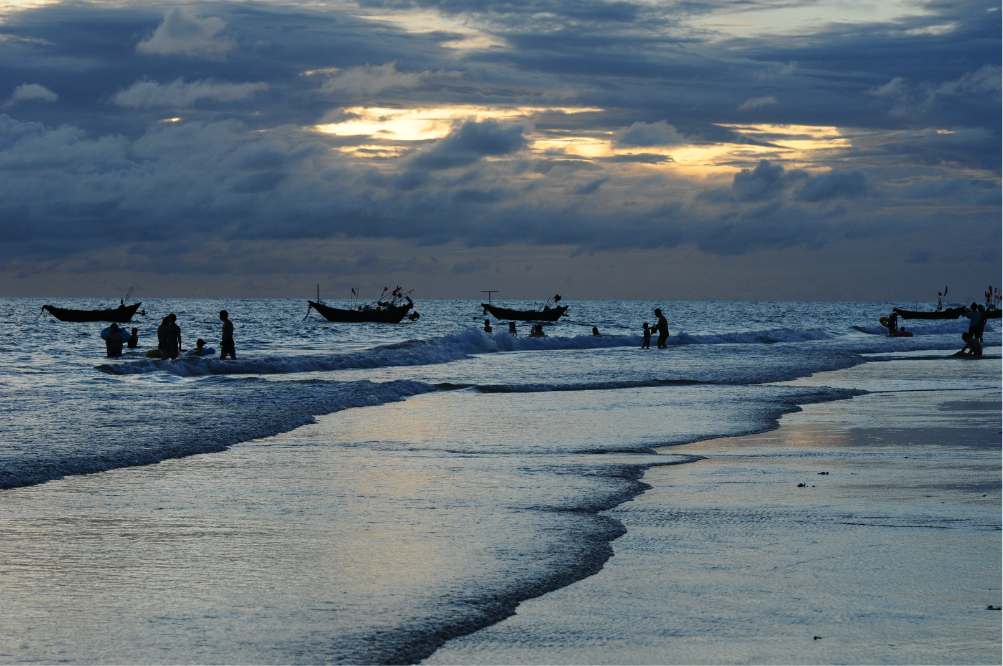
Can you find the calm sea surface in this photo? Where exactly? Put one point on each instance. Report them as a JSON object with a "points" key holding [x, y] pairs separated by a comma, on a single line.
{"points": [[490, 457]]}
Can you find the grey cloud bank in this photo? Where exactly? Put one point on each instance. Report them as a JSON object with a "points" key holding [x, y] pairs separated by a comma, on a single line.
{"points": [[597, 128]]}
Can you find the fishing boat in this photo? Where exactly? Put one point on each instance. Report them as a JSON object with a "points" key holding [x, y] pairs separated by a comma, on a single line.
{"points": [[120, 315], [386, 310], [949, 313], [546, 314]]}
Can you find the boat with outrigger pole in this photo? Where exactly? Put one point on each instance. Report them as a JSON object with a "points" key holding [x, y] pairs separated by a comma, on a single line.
{"points": [[992, 308], [123, 314], [390, 308], [547, 313]]}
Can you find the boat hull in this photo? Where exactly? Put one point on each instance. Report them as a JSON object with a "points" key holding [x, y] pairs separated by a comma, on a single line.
{"points": [[949, 313], [547, 314], [389, 315], [120, 315]]}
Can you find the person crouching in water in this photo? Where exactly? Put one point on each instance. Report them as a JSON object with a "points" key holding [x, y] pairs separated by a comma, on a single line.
{"points": [[972, 346], [226, 342], [113, 341], [646, 339]]}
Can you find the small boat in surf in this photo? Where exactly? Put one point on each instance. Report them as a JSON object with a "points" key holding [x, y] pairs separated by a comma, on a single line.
{"points": [[120, 315], [949, 313], [387, 309], [547, 313]]}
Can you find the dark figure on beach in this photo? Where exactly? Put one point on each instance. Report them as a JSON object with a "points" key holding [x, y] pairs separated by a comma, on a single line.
{"points": [[226, 341], [511, 329], [133, 338], [972, 348], [487, 325], [595, 331], [982, 322], [113, 341], [663, 329], [646, 340], [537, 331]]}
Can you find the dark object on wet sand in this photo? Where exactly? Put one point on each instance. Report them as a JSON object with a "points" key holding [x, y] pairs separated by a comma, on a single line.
{"points": [[546, 314], [119, 315], [949, 313], [384, 311], [991, 607]]}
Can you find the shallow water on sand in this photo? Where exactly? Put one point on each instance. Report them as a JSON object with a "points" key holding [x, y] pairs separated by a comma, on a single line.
{"points": [[369, 492]]}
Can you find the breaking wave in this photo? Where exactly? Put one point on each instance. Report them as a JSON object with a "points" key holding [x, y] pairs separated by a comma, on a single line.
{"points": [[446, 349]]}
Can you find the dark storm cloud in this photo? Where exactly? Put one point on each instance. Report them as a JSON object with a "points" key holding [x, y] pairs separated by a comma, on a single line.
{"points": [[469, 143]]}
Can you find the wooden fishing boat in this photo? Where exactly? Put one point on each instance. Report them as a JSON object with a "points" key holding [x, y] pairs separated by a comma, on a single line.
{"points": [[546, 314], [389, 311], [949, 313], [120, 315], [390, 314]]}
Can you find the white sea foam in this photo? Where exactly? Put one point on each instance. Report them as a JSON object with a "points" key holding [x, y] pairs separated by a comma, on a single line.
{"points": [[445, 349]]}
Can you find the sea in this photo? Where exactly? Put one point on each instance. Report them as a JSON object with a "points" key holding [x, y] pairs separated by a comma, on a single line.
{"points": [[363, 493]]}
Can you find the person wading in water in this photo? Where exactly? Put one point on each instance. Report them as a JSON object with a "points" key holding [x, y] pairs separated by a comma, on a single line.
{"points": [[662, 327]]}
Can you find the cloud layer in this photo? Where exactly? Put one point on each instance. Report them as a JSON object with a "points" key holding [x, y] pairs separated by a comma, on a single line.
{"points": [[596, 127]]}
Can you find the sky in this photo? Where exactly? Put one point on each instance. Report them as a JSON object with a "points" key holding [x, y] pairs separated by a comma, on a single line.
{"points": [[621, 149]]}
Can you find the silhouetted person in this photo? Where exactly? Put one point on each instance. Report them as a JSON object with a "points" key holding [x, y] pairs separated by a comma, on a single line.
{"points": [[537, 331], [163, 337], [226, 342], [974, 319], [646, 339], [595, 331], [982, 322], [893, 323], [663, 329], [487, 325], [972, 348], [174, 336], [113, 341], [133, 338], [511, 329]]}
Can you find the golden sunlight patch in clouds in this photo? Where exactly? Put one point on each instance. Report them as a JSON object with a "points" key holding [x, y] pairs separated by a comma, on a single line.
{"points": [[422, 124]]}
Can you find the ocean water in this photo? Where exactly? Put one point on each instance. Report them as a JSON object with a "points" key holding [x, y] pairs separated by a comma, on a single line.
{"points": [[397, 485]]}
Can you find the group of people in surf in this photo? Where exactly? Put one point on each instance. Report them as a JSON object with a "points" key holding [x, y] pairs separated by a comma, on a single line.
{"points": [[115, 338], [662, 328], [169, 340]]}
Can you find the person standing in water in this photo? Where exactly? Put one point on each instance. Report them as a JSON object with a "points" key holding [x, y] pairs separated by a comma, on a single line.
{"points": [[646, 339], [113, 341], [226, 342], [511, 329], [164, 336], [663, 329], [134, 338], [174, 337], [487, 325]]}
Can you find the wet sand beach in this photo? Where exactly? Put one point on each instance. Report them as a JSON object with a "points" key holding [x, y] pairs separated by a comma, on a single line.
{"points": [[861, 531]]}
